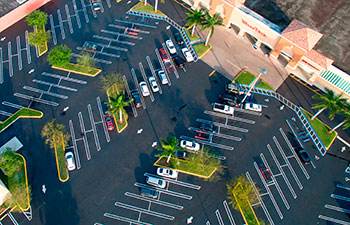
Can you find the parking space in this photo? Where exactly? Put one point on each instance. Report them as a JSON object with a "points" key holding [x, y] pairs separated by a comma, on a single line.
{"points": [[223, 215]]}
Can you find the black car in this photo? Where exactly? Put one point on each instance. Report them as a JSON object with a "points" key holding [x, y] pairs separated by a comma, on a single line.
{"points": [[137, 99], [179, 62], [208, 127], [303, 155], [228, 99], [181, 154], [178, 38], [149, 193]]}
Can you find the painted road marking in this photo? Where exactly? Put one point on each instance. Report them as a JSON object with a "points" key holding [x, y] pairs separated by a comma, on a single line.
{"points": [[63, 34], [340, 197], [343, 187], [146, 211], [131, 29], [29, 58], [125, 219], [150, 65], [121, 34], [130, 97], [75, 147], [134, 23], [228, 212], [230, 127], [10, 58], [261, 202], [288, 163], [138, 87], [208, 143], [330, 219], [146, 80], [69, 19], [336, 208], [171, 61], [76, 13], [5, 113], [63, 78], [19, 52], [12, 218], [100, 52], [112, 47], [218, 216], [54, 85], [275, 181], [168, 192], [217, 134], [211, 74], [13, 105], [82, 128], [268, 191], [113, 40], [1, 68], [177, 182], [99, 105], [53, 32], [31, 98], [247, 111], [109, 3], [229, 117], [95, 59], [282, 171], [163, 66], [84, 11], [159, 202], [94, 131], [92, 9], [44, 92]]}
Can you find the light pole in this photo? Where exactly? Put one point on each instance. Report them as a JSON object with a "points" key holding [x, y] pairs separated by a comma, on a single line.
{"points": [[262, 71]]}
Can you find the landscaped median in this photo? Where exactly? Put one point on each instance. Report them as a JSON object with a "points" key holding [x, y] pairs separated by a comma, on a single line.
{"points": [[201, 49], [193, 38], [120, 125], [62, 170], [141, 7], [22, 113], [321, 130], [42, 49], [21, 178], [245, 77], [187, 167], [79, 69], [244, 206]]}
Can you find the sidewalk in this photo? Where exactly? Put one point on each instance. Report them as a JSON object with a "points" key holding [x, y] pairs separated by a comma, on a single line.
{"points": [[231, 53]]}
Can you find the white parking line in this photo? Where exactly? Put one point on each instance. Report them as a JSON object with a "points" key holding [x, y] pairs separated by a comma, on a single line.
{"points": [[243, 130], [146, 211], [84, 11], [208, 143], [275, 181], [69, 19], [167, 192], [63, 34], [234, 138], [94, 131], [228, 212], [44, 92], [336, 208], [99, 105], [134, 23], [340, 197], [76, 13], [138, 87], [159, 202], [171, 61], [10, 58], [294, 153], [86, 144], [53, 32], [13, 105], [29, 58], [5, 113], [1, 68], [92, 9], [125, 219], [31, 98], [100, 52], [229, 117], [113, 40], [75, 147], [54, 85], [150, 65], [12, 218], [64, 78], [146, 80], [121, 34], [268, 191], [109, 3], [282, 171], [177, 182], [132, 29], [218, 216], [19, 52], [330, 219], [111, 47], [343, 187], [162, 65]]}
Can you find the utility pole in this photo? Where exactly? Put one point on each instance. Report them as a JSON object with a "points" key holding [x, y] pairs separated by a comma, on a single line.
{"points": [[262, 71]]}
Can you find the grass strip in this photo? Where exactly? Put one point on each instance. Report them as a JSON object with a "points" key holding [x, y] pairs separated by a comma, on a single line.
{"points": [[192, 38], [62, 169], [25, 202], [265, 86], [321, 130], [147, 9], [42, 49], [22, 113], [244, 206], [186, 166], [124, 124], [201, 49], [79, 69], [244, 77]]}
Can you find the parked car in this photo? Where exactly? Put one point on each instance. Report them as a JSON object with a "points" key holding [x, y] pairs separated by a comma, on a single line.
{"points": [[153, 84], [109, 122], [303, 155], [181, 154], [88, 45], [179, 62], [163, 54], [202, 135], [157, 182], [149, 193], [70, 161], [229, 99], [163, 79], [178, 38], [266, 174], [223, 108], [253, 107], [136, 98], [187, 54], [190, 145], [170, 45], [167, 172], [208, 127], [144, 89], [96, 5]]}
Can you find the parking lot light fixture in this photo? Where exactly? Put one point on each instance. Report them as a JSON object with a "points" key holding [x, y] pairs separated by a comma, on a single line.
{"points": [[262, 71]]}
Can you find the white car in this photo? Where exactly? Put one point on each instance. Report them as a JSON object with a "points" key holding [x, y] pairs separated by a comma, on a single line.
{"points": [[167, 172], [157, 182], [70, 161], [253, 107], [223, 108], [187, 54], [153, 84], [144, 89], [162, 77], [190, 145], [170, 46]]}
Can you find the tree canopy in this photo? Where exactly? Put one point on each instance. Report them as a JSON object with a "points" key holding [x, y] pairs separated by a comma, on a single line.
{"points": [[117, 104], [10, 162], [59, 55], [111, 79], [86, 60], [52, 132], [39, 38], [36, 18]]}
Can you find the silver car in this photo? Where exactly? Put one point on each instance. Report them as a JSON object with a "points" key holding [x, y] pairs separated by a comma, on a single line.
{"points": [[153, 84], [144, 89], [162, 77]]}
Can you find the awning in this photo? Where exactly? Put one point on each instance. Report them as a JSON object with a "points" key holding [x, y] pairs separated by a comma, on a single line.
{"points": [[336, 80]]}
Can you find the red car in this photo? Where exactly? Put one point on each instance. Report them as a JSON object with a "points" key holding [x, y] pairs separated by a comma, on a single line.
{"points": [[109, 122], [266, 174], [163, 55]]}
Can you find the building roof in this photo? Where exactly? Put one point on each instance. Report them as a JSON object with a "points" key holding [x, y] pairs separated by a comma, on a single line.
{"points": [[318, 58], [301, 35], [4, 193], [7, 6], [337, 79]]}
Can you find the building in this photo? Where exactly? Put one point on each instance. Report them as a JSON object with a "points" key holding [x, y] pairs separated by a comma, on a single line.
{"points": [[12, 11], [292, 47]]}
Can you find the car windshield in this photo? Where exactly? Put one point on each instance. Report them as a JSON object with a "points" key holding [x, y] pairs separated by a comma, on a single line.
{"points": [[160, 182], [222, 107]]}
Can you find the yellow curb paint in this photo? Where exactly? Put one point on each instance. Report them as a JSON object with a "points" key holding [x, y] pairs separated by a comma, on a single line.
{"points": [[115, 120], [46, 48], [206, 52], [58, 170], [211, 74], [27, 187], [182, 171], [41, 115], [77, 72]]}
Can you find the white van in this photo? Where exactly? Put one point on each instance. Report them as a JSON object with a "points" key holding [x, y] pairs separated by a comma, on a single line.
{"points": [[156, 182]]}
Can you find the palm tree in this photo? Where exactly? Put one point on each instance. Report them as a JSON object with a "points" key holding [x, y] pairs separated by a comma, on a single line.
{"points": [[194, 18], [117, 104], [169, 146], [328, 101], [112, 79], [210, 22], [346, 122], [86, 60], [52, 132]]}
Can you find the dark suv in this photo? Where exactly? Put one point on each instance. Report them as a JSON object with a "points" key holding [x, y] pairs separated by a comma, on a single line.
{"points": [[149, 193], [136, 98], [228, 99], [178, 38], [208, 127], [179, 62], [303, 155]]}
